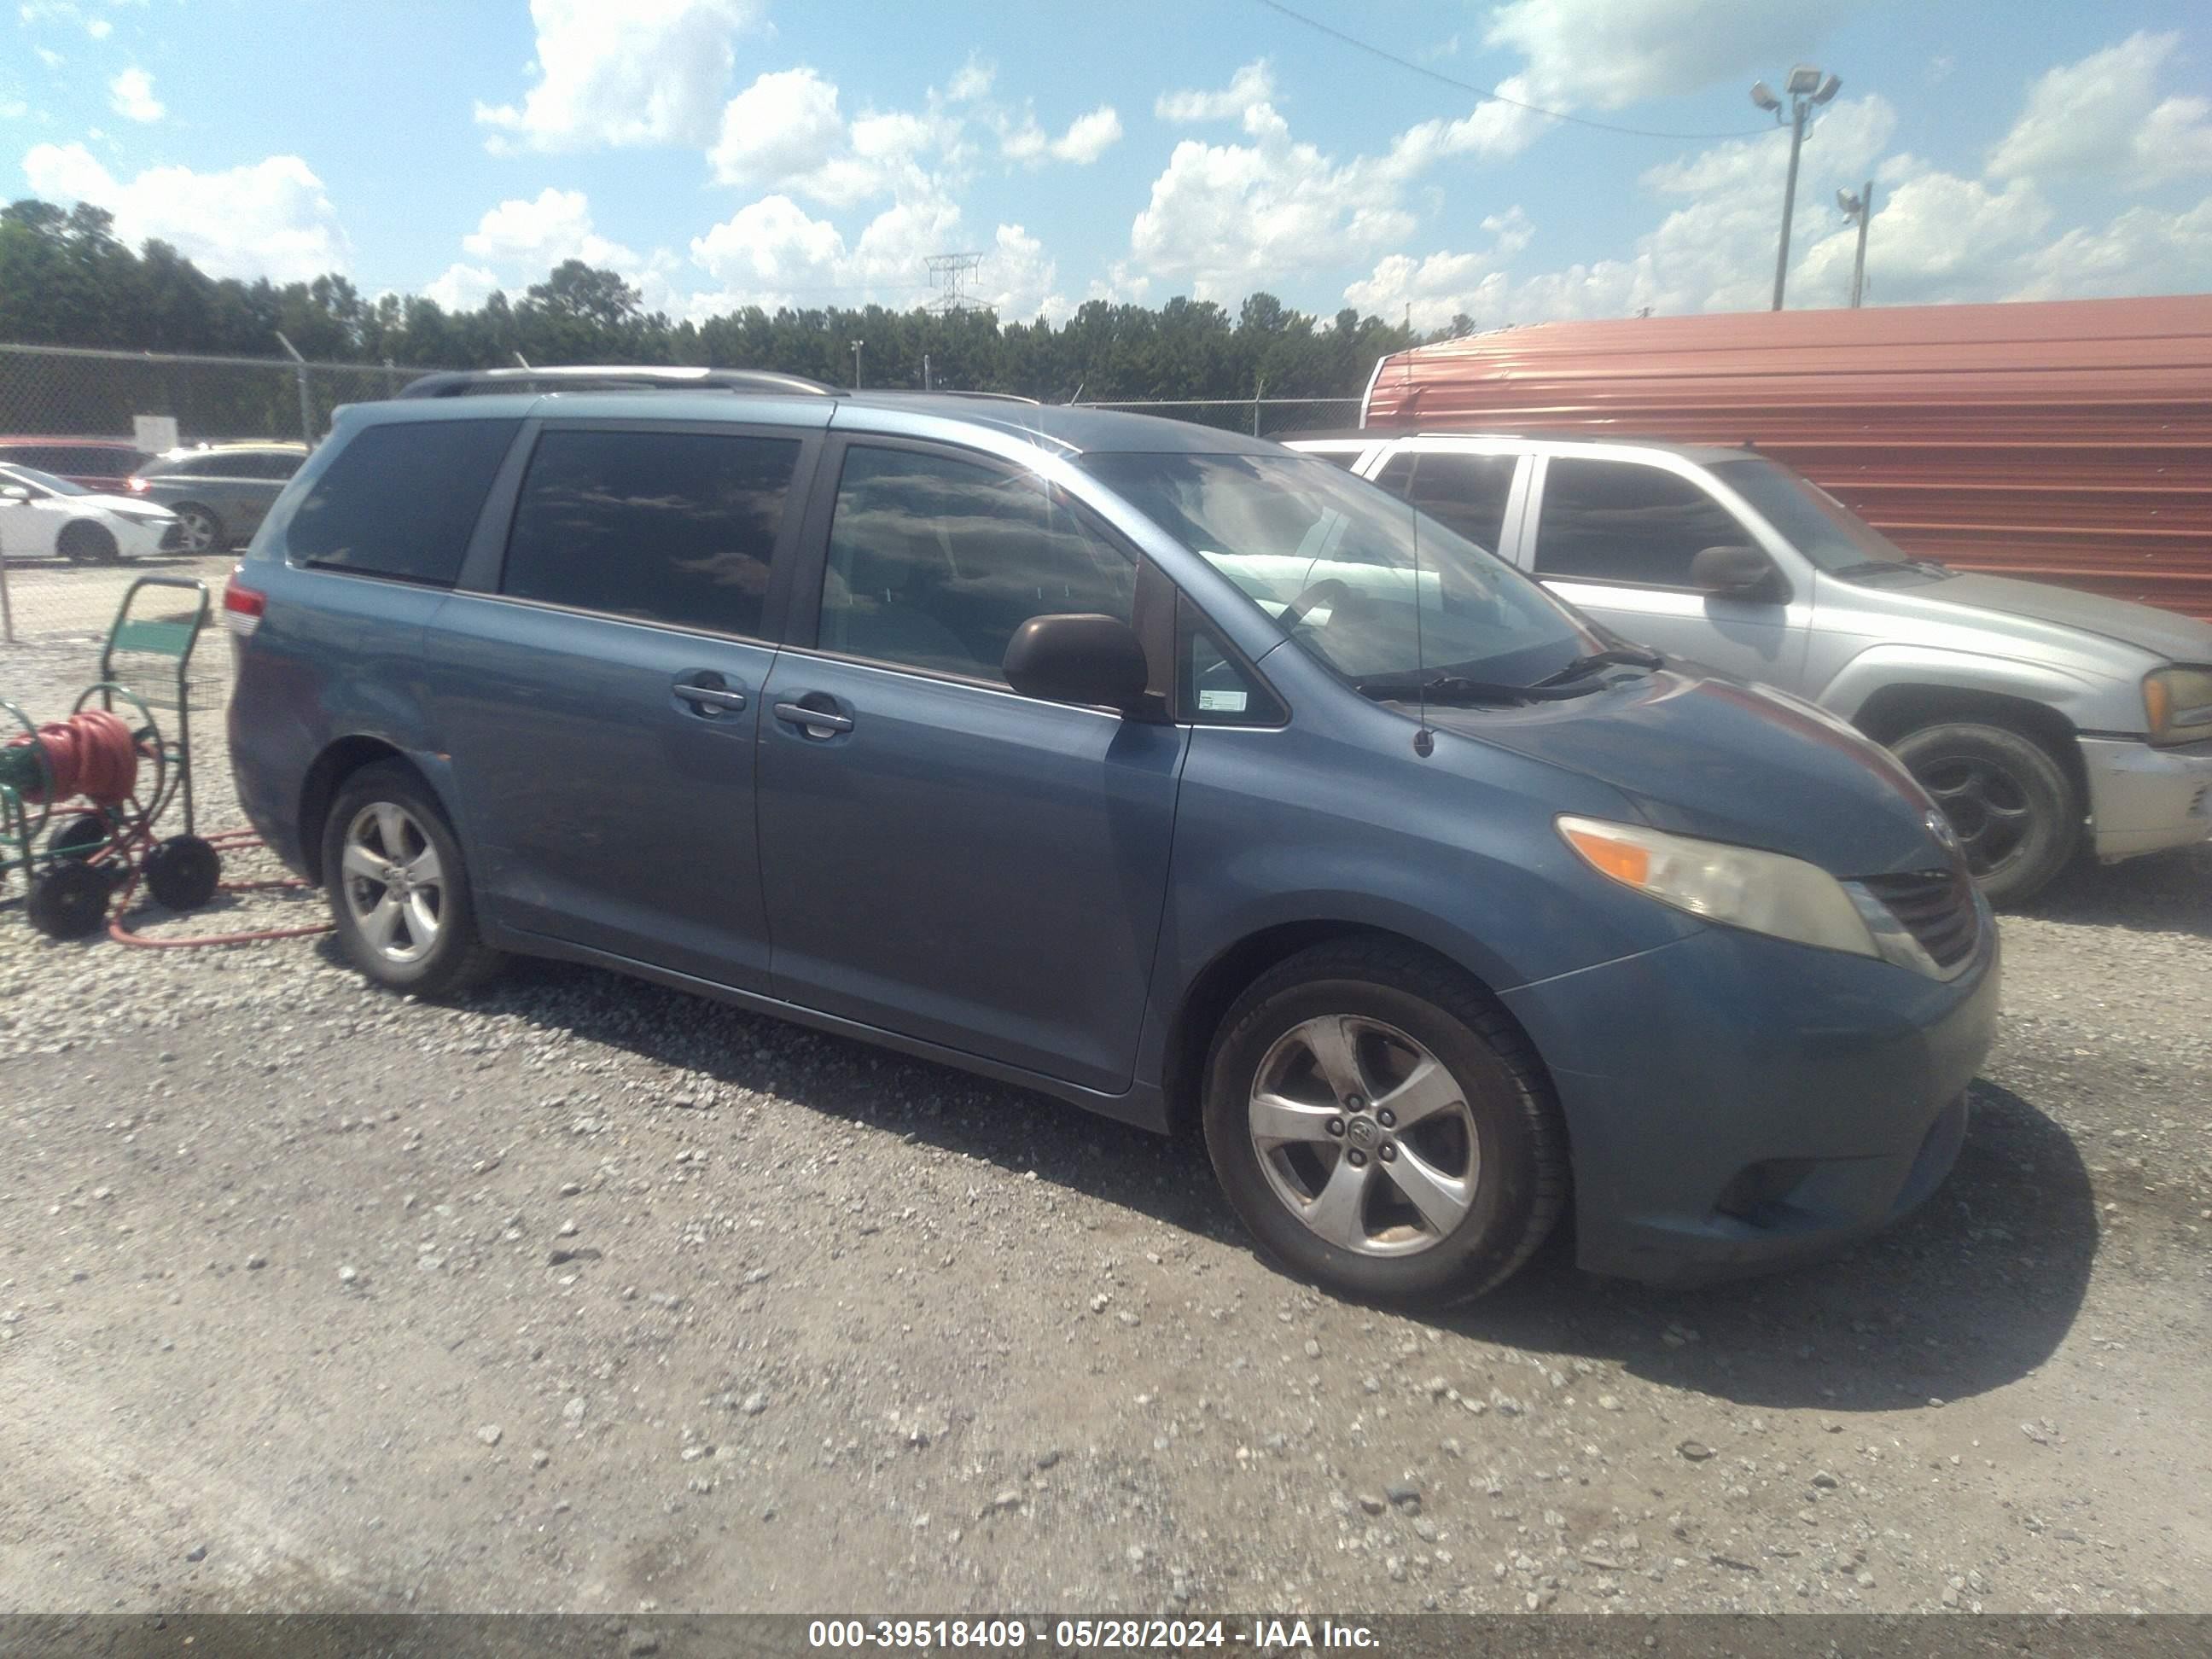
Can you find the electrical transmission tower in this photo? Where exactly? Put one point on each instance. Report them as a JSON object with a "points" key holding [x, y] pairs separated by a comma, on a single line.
{"points": [[949, 274]]}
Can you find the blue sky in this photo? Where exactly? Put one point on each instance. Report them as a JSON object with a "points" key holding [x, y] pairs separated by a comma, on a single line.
{"points": [[722, 152]]}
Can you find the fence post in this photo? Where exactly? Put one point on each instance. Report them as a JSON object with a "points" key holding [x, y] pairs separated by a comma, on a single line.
{"points": [[7, 609], [1258, 387], [307, 403]]}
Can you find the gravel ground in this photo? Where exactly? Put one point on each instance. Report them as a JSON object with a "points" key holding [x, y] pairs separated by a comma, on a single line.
{"points": [[591, 1296]]}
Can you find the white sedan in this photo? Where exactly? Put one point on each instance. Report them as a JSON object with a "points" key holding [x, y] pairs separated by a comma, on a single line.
{"points": [[41, 515]]}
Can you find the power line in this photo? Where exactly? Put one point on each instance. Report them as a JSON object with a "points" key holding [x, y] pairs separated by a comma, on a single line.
{"points": [[1491, 92]]}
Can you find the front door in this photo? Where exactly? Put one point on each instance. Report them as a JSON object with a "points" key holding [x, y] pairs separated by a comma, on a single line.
{"points": [[602, 705], [1615, 538], [944, 858]]}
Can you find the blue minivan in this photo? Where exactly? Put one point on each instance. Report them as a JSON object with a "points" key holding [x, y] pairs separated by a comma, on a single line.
{"points": [[1147, 766]]}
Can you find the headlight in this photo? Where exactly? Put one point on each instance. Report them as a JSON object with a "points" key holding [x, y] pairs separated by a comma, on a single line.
{"points": [[1763, 892], [2178, 702]]}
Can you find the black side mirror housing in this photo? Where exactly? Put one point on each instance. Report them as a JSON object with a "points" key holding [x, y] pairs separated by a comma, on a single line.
{"points": [[1076, 658], [1738, 572]]}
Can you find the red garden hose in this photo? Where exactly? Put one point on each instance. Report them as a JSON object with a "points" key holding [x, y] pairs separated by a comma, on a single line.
{"points": [[230, 841], [93, 753]]}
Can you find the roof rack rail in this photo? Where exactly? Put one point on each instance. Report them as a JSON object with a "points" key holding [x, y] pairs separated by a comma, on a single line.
{"points": [[941, 392], [608, 377]]}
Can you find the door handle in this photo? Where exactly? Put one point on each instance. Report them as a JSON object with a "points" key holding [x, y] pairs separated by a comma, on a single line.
{"points": [[815, 722], [707, 695]]}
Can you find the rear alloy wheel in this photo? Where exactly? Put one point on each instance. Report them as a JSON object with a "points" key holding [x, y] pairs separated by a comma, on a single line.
{"points": [[201, 531], [1382, 1127], [82, 542], [398, 891], [2016, 813]]}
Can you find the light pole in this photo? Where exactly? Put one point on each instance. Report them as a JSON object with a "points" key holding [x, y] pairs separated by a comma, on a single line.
{"points": [[857, 344], [1807, 86], [1857, 209]]}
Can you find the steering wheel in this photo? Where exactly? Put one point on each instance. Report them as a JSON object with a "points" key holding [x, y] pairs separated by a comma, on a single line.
{"points": [[1329, 588]]}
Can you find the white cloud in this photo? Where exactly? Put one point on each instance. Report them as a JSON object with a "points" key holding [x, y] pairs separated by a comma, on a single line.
{"points": [[538, 234], [1254, 83], [2142, 250], [461, 287], [1088, 137], [131, 95], [270, 219], [1444, 285], [2102, 115], [1610, 54], [640, 72], [784, 126], [99, 28], [973, 81]]}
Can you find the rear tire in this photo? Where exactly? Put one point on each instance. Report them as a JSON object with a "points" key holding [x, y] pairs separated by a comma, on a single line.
{"points": [[1458, 1186], [2016, 811], [82, 542], [398, 888]]}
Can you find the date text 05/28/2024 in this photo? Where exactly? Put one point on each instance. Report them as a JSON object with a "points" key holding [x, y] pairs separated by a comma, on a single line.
{"points": [[1261, 1636]]}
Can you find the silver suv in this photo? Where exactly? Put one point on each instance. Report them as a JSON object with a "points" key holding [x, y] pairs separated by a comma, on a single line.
{"points": [[2036, 716]]}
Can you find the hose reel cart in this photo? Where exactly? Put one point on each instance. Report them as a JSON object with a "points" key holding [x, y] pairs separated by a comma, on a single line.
{"points": [[80, 799]]}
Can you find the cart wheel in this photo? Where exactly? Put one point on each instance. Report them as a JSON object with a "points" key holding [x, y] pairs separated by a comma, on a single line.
{"points": [[68, 901], [80, 838], [182, 872]]}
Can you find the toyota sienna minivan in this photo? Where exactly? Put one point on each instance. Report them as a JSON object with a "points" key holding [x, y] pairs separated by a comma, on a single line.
{"points": [[1147, 766]]}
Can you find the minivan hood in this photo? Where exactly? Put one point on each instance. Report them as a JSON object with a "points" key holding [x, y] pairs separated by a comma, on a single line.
{"points": [[2163, 632], [1704, 755]]}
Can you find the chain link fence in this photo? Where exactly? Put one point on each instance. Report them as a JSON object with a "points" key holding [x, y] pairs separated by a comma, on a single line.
{"points": [[52, 604], [1260, 417]]}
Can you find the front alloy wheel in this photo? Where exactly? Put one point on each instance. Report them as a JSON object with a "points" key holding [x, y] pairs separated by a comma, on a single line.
{"points": [[394, 885]]}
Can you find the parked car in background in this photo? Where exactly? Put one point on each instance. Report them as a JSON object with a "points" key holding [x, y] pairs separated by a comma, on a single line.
{"points": [[1148, 766], [43, 515], [219, 492], [2040, 718], [95, 463]]}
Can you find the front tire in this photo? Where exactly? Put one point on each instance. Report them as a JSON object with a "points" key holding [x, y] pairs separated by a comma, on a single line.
{"points": [[82, 542], [398, 888], [2016, 811], [1382, 1127]]}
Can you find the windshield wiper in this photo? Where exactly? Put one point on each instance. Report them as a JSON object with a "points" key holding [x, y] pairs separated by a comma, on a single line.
{"points": [[1633, 656], [1454, 688]]}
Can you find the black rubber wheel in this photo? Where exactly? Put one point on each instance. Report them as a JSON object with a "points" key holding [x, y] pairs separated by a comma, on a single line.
{"points": [[2017, 814], [182, 872], [398, 888], [1440, 1199], [67, 900], [203, 530], [80, 838], [82, 542]]}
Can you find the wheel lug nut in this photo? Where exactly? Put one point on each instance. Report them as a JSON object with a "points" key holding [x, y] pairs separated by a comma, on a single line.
{"points": [[1354, 1103], [1358, 1159], [1389, 1152], [1387, 1120], [1336, 1126]]}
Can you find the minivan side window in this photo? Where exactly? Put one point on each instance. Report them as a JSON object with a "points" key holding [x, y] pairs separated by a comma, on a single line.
{"points": [[1622, 521], [401, 500], [1467, 493], [935, 563], [676, 527]]}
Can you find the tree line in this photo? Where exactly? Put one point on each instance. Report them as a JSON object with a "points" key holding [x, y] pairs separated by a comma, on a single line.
{"points": [[66, 279]]}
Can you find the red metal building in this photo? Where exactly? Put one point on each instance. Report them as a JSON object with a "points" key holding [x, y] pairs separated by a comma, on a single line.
{"points": [[2069, 441]]}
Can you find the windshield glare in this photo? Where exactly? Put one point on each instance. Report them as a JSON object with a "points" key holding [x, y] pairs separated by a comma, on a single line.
{"points": [[45, 481], [1812, 521], [1339, 563]]}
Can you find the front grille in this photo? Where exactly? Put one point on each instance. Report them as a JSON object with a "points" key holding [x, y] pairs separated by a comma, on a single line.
{"points": [[1936, 907]]}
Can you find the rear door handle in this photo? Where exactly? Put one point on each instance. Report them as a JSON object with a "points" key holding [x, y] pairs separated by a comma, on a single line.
{"points": [[708, 695], [815, 722]]}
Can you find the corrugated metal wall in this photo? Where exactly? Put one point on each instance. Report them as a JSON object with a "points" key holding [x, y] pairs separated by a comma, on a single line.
{"points": [[2068, 441]]}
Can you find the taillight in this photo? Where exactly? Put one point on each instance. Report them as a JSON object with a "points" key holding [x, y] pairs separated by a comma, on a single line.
{"points": [[242, 606]]}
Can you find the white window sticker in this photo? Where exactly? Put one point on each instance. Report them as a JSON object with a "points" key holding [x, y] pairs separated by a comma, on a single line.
{"points": [[1222, 703]]}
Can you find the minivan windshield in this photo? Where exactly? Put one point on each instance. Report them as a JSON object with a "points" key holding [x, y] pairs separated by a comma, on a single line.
{"points": [[1340, 564], [1812, 521]]}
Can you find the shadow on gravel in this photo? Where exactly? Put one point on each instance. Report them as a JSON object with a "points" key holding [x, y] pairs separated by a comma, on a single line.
{"points": [[2161, 893], [1971, 1292]]}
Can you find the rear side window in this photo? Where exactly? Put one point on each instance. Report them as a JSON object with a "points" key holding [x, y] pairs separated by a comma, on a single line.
{"points": [[280, 463], [935, 562], [1622, 521], [401, 500], [1467, 493], [676, 527]]}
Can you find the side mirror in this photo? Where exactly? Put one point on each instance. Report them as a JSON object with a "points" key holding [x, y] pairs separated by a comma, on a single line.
{"points": [[15, 495], [1741, 573], [1078, 659]]}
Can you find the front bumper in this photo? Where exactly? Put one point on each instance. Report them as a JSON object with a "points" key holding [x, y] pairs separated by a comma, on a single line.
{"points": [[142, 538], [2143, 800], [1735, 1103]]}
